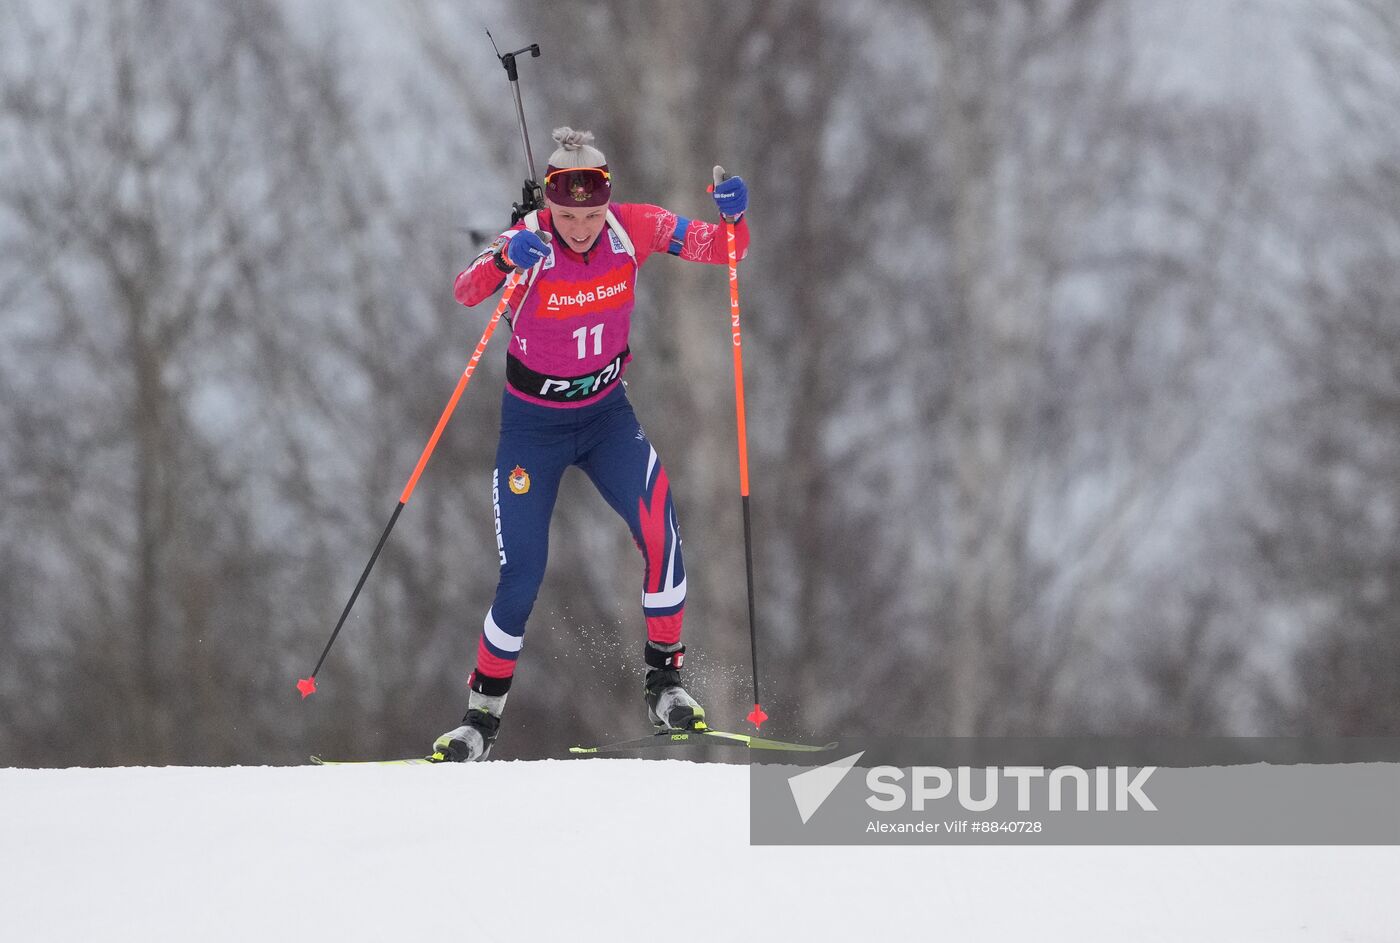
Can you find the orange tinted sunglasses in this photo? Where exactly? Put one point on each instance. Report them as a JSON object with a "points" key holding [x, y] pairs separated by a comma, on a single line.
{"points": [[578, 170]]}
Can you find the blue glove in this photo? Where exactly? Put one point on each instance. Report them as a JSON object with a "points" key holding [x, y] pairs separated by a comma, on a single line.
{"points": [[731, 195], [527, 248]]}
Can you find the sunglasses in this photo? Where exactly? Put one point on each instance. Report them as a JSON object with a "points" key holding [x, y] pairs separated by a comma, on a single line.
{"points": [[603, 174]]}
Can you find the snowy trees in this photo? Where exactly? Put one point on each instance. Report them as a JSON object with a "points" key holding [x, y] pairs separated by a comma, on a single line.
{"points": [[136, 211], [207, 377], [1326, 523], [1088, 217], [1069, 329]]}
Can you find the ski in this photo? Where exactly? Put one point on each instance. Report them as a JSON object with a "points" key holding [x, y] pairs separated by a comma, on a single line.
{"points": [[411, 761], [663, 738], [681, 738]]}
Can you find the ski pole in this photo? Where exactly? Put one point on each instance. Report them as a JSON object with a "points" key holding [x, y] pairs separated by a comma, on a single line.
{"points": [[756, 716], [533, 199], [307, 686]]}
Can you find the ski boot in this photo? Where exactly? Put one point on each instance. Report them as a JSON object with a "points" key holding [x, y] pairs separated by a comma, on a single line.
{"points": [[472, 741], [669, 707]]}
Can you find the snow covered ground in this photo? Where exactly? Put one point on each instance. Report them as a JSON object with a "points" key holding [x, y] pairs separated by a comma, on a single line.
{"points": [[608, 849]]}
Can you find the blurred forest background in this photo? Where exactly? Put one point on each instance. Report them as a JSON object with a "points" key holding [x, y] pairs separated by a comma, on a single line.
{"points": [[1072, 331]]}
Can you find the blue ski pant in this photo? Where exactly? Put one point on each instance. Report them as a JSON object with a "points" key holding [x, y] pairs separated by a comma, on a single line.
{"points": [[537, 444]]}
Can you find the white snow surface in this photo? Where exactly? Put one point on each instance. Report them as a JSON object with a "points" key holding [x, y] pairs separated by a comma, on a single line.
{"points": [[601, 849]]}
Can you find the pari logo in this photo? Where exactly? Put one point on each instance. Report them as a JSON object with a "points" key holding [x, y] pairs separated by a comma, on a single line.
{"points": [[892, 789]]}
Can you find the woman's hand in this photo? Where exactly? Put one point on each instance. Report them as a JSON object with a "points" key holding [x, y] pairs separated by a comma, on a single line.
{"points": [[731, 195], [526, 249]]}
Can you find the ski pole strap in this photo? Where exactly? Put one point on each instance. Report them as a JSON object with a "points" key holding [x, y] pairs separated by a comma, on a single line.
{"points": [[565, 389]]}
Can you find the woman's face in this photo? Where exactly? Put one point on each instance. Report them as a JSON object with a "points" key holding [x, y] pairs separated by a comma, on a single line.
{"points": [[578, 225]]}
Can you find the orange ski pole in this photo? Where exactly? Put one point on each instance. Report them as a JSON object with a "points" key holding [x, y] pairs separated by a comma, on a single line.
{"points": [[756, 716], [307, 686]]}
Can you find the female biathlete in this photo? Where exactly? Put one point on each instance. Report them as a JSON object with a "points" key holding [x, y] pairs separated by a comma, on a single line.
{"points": [[564, 404]]}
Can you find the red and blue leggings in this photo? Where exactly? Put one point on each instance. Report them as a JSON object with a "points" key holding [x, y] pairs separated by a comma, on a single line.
{"points": [[537, 444]]}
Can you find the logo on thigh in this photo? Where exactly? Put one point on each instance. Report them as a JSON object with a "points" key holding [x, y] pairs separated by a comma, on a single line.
{"points": [[519, 480], [496, 509]]}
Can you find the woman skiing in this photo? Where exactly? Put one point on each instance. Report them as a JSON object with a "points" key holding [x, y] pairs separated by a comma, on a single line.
{"points": [[564, 404]]}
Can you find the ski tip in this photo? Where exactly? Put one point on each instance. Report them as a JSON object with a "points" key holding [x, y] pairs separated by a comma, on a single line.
{"points": [[307, 686], [410, 761]]}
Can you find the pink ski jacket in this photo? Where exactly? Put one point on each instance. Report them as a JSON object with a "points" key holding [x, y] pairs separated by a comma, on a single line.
{"points": [[571, 314]]}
